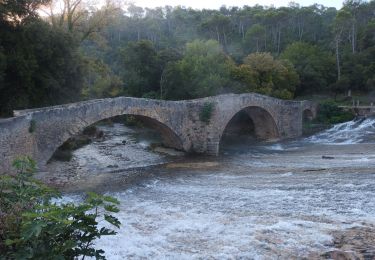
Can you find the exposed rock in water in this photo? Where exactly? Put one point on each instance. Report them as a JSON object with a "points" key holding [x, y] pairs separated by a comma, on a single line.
{"points": [[193, 165], [168, 151], [353, 243], [89, 134]]}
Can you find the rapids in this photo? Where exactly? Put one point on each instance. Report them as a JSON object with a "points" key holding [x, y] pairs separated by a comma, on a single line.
{"points": [[257, 200]]}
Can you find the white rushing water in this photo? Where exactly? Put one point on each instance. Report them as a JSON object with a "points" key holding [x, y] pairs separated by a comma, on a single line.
{"points": [[221, 215], [352, 132], [120, 150], [275, 201]]}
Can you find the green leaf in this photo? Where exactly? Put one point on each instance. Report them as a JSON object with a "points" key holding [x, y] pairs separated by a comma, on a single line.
{"points": [[112, 220], [33, 229], [9, 242], [111, 200], [111, 208], [106, 232]]}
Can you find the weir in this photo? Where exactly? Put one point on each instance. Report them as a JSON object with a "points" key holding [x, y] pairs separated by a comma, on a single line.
{"points": [[39, 132]]}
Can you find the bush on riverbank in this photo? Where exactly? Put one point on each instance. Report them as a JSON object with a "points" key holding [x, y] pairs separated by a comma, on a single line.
{"points": [[32, 226], [330, 113], [64, 152]]}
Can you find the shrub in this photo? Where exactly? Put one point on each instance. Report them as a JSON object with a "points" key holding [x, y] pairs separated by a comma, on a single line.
{"points": [[32, 226], [32, 126], [91, 130], [133, 121], [330, 113], [206, 112]]}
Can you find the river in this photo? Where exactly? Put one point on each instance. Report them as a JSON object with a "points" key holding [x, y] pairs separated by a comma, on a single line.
{"points": [[306, 198]]}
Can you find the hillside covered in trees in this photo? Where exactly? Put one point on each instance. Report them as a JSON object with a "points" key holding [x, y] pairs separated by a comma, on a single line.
{"points": [[50, 56]]}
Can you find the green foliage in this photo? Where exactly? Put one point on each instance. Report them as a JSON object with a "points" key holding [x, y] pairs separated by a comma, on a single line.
{"points": [[32, 226], [14, 11], [330, 113], [217, 27], [314, 66], [358, 69], [340, 86], [255, 38], [32, 126], [206, 112], [304, 35], [41, 66], [99, 80], [141, 70], [140, 52], [2, 65], [263, 74], [203, 71]]}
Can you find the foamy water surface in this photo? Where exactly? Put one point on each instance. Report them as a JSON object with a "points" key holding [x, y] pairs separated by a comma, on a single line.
{"points": [[271, 201]]}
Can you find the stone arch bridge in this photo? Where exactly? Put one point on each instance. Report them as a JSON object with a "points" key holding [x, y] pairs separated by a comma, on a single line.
{"points": [[39, 132]]}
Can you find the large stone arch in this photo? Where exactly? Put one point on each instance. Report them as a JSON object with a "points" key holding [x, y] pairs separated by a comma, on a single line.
{"points": [[56, 125], [273, 117], [265, 126], [169, 136]]}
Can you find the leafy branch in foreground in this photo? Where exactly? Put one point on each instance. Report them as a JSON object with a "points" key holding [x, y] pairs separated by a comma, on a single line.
{"points": [[33, 226]]}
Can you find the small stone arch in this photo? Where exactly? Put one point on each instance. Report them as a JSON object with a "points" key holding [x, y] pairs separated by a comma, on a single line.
{"points": [[307, 115], [264, 124]]}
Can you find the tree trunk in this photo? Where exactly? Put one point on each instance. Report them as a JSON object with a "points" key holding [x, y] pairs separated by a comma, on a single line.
{"points": [[225, 39], [265, 39], [278, 41], [338, 59], [353, 38], [300, 32]]}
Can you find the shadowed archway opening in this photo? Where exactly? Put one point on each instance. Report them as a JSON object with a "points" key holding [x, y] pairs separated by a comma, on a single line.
{"points": [[168, 137], [248, 126], [307, 126], [308, 115], [153, 133]]}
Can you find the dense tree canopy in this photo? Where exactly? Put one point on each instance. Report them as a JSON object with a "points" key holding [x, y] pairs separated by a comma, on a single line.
{"points": [[261, 73], [179, 53], [39, 65], [204, 70], [15, 11], [321, 43], [313, 65]]}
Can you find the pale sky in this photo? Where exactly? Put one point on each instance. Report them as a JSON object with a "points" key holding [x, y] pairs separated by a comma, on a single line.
{"points": [[215, 4]]}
